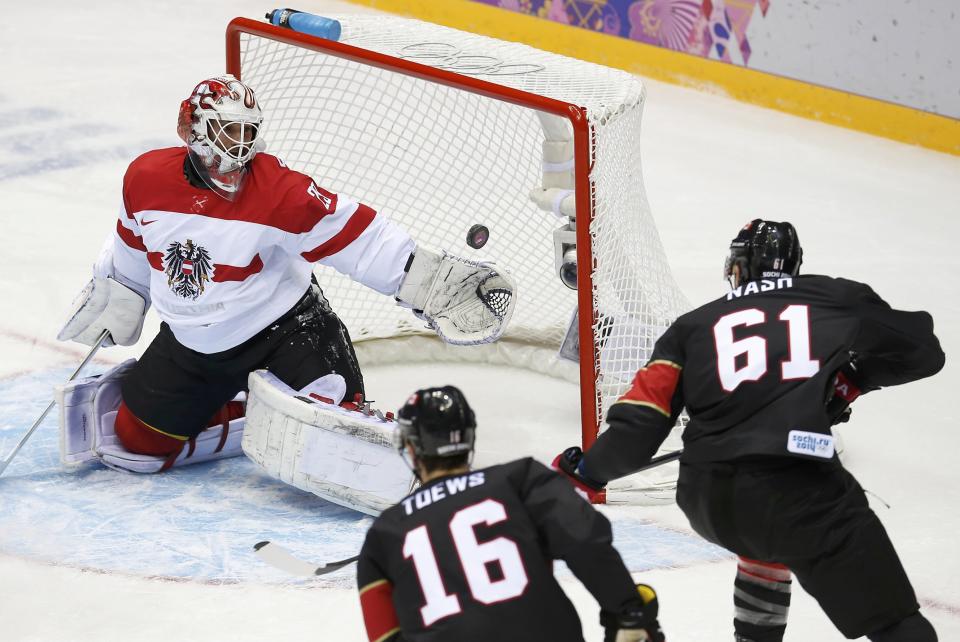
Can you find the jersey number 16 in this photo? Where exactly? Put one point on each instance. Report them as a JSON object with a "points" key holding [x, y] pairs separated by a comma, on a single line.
{"points": [[474, 558]]}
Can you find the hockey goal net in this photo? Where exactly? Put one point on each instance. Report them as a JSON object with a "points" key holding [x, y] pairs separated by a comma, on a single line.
{"points": [[441, 129]]}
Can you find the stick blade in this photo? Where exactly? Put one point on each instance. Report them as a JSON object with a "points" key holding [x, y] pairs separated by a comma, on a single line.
{"points": [[278, 557]]}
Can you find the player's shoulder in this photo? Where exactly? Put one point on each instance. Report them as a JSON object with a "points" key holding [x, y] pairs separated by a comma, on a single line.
{"points": [[274, 168], [832, 291], [518, 473], [157, 161], [294, 195], [272, 172], [522, 465]]}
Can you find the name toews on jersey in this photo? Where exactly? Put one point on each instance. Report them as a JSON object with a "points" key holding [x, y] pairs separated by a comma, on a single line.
{"points": [[440, 491]]}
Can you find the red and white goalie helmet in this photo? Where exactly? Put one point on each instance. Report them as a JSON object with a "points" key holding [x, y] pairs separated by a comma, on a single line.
{"points": [[220, 123]]}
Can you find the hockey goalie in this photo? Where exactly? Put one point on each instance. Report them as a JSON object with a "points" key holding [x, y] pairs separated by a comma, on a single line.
{"points": [[222, 238]]}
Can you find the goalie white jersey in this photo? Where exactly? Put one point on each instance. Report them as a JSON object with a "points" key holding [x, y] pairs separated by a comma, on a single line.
{"points": [[218, 271]]}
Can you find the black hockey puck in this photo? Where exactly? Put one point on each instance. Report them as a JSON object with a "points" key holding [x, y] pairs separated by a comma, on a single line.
{"points": [[477, 236]]}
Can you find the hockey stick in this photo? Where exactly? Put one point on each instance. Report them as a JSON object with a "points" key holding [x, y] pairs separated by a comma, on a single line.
{"points": [[661, 460], [36, 424], [279, 557]]}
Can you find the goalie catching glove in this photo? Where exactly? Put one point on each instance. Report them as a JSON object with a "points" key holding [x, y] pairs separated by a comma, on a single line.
{"points": [[464, 302], [634, 623]]}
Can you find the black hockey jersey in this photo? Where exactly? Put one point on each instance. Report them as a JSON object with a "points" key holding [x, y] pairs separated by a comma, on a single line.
{"points": [[755, 370], [470, 557]]}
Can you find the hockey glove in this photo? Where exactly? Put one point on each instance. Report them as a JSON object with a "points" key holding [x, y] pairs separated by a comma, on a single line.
{"points": [[465, 302], [635, 623], [105, 304], [843, 393], [568, 463]]}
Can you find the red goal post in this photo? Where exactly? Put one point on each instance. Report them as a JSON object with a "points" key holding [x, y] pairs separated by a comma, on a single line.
{"points": [[290, 68]]}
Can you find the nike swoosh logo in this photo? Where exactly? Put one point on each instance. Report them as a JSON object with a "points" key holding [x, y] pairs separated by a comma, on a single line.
{"points": [[148, 222]]}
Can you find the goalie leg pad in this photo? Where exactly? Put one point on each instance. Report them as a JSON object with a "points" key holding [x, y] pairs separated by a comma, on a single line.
{"points": [[344, 456], [88, 414], [82, 403]]}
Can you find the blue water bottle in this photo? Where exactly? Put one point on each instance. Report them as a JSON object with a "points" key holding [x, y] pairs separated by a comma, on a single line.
{"points": [[305, 23]]}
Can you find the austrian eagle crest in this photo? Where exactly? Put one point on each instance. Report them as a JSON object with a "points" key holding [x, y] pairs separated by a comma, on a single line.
{"points": [[188, 268]]}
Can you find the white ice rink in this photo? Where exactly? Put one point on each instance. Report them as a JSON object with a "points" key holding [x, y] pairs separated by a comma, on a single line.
{"points": [[98, 556]]}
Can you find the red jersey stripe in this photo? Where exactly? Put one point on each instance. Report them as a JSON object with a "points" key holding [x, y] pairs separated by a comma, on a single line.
{"points": [[354, 228], [654, 386], [223, 273], [131, 239], [155, 259], [376, 601]]}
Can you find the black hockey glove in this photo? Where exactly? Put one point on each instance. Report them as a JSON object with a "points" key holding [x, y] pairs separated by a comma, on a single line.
{"points": [[568, 463], [634, 623], [843, 392]]}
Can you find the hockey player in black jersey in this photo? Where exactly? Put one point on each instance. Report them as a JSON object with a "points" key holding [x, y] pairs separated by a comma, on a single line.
{"points": [[469, 555], [764, 373]]}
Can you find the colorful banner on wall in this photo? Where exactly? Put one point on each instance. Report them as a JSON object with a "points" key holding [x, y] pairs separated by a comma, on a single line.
{"points": [[714, 29]]}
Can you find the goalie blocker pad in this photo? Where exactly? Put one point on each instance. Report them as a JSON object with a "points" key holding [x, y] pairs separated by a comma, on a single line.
{"points": [[344, 456], [464, 302], [105, 304], [88, 410]]}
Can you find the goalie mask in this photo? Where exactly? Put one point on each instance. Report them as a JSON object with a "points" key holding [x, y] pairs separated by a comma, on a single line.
{"points": [[764, 249], [220, 123], [437, 422]]}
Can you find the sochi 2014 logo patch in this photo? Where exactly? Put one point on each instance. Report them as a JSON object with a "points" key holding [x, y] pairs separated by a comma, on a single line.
{"points": [[814, 444], [188, 267]]}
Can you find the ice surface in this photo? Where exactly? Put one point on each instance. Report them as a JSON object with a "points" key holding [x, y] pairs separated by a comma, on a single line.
{"points": [[83, 554]]}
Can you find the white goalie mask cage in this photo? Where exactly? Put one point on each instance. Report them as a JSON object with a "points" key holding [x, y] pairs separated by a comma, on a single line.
{"points": [[220, 123]]}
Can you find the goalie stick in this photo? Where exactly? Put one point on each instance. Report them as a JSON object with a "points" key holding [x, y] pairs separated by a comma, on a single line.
{"points": [[277, 556], [43, 415]]}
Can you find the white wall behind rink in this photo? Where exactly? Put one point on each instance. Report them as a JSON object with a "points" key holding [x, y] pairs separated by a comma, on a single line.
{"points": [[901, 51]]}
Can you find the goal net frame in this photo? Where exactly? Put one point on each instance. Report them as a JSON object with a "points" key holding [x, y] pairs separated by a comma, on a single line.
{"points": [[591, 397]]}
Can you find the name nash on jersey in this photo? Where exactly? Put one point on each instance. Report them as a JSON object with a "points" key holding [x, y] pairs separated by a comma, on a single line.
{"points": [[763, 285]]}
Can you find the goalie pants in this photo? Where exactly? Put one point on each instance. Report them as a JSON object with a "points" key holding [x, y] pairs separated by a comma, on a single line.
{"points": [[176, 390], [811, 517]]}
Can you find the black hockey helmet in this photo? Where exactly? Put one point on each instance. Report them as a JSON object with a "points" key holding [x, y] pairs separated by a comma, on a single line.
{"points": [[764, 249], [437, 422]]}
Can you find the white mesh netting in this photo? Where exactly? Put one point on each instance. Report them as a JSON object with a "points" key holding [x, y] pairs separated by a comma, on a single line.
{"points": [[437, 159]]}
